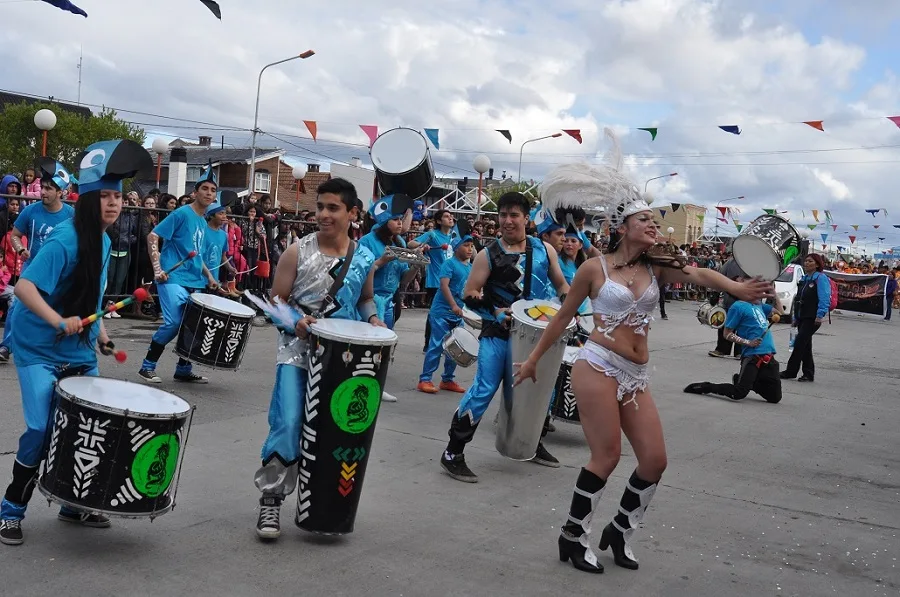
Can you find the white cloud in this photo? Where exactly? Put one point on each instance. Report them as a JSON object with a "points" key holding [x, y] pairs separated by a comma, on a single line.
{"points": [[838, 190]]}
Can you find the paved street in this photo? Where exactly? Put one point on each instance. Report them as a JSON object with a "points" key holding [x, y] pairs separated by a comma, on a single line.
{"points": [[799, 498]]}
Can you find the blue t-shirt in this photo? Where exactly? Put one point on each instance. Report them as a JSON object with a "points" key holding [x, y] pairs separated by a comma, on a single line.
{"points": [[569, 268], [36, 223], [457, 272], [439, 251], [750, 321], [386, 280], [214, 244], [34, 340], [183, 232]]}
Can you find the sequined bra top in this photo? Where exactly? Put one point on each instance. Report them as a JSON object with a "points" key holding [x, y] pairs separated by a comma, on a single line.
{"points": [[617, 305]]}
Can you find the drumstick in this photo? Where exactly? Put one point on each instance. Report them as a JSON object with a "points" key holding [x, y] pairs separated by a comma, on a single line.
{"points": [[120, 355], [190, 256], [140, 295]]}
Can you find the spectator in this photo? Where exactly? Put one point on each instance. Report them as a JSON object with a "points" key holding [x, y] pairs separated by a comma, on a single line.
{"points": [[32, 184]]}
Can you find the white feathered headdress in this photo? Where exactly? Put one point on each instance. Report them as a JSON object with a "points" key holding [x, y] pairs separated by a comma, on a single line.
{"points": [[598, 189]]}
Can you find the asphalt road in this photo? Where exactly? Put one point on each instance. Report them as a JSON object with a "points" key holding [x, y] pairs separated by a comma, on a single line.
{"points": [[799, 498]]}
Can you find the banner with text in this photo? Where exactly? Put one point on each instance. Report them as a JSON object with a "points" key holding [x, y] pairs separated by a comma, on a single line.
{"points": [[860, 293]]}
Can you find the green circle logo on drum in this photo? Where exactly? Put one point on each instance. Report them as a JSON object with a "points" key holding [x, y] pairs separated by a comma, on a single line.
{"points": [[354, 404], [154, 465]]}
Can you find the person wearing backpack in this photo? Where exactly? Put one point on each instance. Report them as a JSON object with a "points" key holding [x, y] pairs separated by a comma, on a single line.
{"points": [[811, 307]]}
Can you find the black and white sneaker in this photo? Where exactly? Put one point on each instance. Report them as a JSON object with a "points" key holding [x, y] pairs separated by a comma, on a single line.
{"points": [[4, 354], [455, 465], [11, 532], [190, 378], [149, 376], [268, 526], [95, 521], [544, 458]]}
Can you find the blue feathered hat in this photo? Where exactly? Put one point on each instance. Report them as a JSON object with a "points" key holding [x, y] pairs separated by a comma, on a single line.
{"points": [[460, 233], [103, 165], [545, 222], [208, 175], [389, 208], [52, 171], [573, 232]]}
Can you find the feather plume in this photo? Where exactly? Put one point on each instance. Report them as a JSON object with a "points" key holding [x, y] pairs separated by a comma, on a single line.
{"points": [[283, 315]]}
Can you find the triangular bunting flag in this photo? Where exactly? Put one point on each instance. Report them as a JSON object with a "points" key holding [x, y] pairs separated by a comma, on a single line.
{"points": [[574, 133], [700, 217], [834, 227], [873, 211], [675, 207], [662, 213], [896, 225], [213, 8], [803, 213], [736, 222], [506, 134], [852, 239], [721, 209], [828, 216], [66, 5], [312, 127], [816, 124], [855, 227], [815, 214], [824, 238], [371, 131], [652, 130], [824, 247], [738, 226], [721, 220], [894, 119], [731, 128], [811, 226], [881, 239], [876, 226], [771, 212], [432, 135]]}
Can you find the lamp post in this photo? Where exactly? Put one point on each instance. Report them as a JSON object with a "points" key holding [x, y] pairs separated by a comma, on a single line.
{"points": [[159, 147], [303, 56], [45, 120], [299, 174], [522, 149], [657, 178], [482, 164]]}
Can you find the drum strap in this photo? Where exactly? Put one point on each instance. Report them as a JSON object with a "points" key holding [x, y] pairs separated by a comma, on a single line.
{"points": [[529, 257], [331, 298]]}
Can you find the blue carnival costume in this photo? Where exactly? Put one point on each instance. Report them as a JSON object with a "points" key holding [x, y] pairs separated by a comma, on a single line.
{"points": [[42, 359], [183, 231], [215, 242], [315, 274], [442, 317], [387, 279]]}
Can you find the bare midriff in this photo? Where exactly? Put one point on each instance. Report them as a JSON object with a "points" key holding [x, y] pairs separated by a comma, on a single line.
{"points": [[623, 341]]}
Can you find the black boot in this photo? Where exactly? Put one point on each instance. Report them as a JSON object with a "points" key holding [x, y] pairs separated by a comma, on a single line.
{"points": [[617, 534], [575, 538]]}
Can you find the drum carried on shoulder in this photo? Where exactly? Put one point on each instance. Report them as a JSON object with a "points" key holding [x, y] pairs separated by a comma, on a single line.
{"points": [[767, 246], [348, 366], [524, 407], [116, 447], [214, 331], [712, 316]]}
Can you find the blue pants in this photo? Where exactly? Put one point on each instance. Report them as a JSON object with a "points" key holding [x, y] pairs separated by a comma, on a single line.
{"points": [[172, 299], [281, 450], [7, 328], [36, 383], [441, 323], [488, 377]]}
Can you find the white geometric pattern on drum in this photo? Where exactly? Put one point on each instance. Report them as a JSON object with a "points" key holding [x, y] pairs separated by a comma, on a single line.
{"points": [[569, 404], [139, 436], [61, 421], [91, 436], [308, 436], [366, 365], [235, 334], [127, 493], [214, 325]]}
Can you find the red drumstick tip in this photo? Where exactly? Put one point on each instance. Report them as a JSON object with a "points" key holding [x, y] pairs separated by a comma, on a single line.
{"points": [[192, 254], [112, 308], [444, 247], [141, 295], [121, 356]]}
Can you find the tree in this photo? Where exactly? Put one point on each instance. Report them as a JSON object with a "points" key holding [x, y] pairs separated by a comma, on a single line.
{"points": [[491, 195], [20, 140]]}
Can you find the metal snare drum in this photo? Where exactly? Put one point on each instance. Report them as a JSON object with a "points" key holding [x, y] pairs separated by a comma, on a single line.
{"points": [[524, 407], [711, 316], [461, 346]]}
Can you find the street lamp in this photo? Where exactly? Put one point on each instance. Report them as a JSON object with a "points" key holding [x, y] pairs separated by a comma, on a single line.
{"points": [[716, 231], [657, 178], [45, 120], [482, 164], [521, 149], [159, 147], [304, 56], [299, 174]]}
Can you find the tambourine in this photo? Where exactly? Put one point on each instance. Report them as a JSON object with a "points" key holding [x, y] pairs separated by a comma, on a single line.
{"points": [[407, 255]]}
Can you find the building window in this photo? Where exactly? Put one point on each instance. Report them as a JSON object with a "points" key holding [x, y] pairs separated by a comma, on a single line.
{"points": [[263, 182], [193, 173]]}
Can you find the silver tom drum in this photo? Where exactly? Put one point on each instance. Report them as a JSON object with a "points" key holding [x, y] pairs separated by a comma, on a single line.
{"points": [[524, 407], [461, 346], [713, 316], [402, 163]]}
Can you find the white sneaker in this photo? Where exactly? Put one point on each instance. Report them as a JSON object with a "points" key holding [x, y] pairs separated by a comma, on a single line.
{"points": [[385, 397], [114, 315]]}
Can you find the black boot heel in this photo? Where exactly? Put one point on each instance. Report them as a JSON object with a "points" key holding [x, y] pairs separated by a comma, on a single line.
{"points": [[612, 538], [573, 550]]}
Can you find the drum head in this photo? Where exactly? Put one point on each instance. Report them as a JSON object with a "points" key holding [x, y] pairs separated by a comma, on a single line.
{"points": [[537, 313], [471, 317], [222, 304], [756, 257], [114, 394], [717, 317], [353, 332], [398, 151], [570, 354], [465, 339]]}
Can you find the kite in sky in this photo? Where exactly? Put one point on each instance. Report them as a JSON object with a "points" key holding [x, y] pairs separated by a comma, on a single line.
{"points": [[66, 5]]}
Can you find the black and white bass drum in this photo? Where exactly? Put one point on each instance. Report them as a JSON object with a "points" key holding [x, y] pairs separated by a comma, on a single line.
{"points": [[402, 163]]}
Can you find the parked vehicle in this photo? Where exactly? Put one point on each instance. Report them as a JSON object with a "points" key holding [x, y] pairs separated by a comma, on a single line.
{"points": [[786, 287]]}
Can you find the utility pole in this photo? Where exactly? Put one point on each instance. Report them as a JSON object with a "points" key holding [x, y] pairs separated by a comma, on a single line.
{"points": [[80, 61]]}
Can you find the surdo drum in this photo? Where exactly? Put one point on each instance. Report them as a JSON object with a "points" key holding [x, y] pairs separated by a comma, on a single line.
{"points": [[461, 346], [402, 163], [214, 331], [713, 316], [564, 407], [524, 407], [766, 247], [348, 365], [116, 447]]}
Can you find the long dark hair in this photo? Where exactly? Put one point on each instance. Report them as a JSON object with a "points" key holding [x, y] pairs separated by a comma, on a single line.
{"points": [[664, 255], [382, 233], [580, 256], [83, 295]]}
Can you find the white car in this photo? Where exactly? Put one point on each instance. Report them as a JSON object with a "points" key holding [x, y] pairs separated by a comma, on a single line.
{"points": [[786, 288]]}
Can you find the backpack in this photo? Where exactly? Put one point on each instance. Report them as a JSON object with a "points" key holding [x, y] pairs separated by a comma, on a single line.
{"points": [[832, 305]]}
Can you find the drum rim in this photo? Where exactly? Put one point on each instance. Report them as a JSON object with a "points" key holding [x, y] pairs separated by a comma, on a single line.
{"points": [[414, 168], [115, 513], [195, 299], [316, 329], [462, 332], [531, 323], [124, 412]]}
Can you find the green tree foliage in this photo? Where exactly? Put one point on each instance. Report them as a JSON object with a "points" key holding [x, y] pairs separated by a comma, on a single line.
{"points": [[20, 140], [491, 195]]}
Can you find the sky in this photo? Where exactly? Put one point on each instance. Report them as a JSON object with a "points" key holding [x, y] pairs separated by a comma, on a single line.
{"points": [[469, 67]]}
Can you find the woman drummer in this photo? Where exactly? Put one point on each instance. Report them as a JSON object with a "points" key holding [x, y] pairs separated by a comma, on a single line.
{"points": [[64, 283], [610, 377]]}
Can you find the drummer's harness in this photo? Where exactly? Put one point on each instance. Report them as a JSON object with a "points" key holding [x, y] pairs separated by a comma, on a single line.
{"points": [[330, 303], [502, 289]]}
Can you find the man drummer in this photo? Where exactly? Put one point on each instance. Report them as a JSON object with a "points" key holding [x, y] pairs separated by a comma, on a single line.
{"points": [[303, 279], [446, 314], [438, 243], [183, 231], [496, 281]]}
